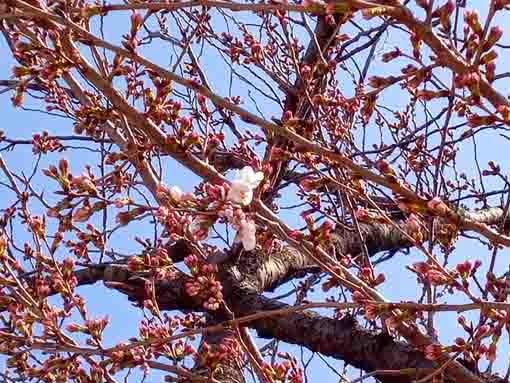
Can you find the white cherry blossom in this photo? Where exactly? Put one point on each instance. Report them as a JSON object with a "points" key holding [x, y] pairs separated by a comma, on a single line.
{"points": [[242, 187], [248, 176], [176, 193], [246, 234]]}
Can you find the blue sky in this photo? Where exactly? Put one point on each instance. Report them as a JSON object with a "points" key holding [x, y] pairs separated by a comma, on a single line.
{"points": [[124, 317]]}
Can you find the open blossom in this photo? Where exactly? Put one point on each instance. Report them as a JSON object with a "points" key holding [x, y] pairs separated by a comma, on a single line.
{"points": [[242, 187], [246, 234], [240, 193], [176, 193]]}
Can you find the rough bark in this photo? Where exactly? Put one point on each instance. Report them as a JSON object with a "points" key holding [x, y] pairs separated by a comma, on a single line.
{"points": [[254, 272], [228, 370], [343, 339]]}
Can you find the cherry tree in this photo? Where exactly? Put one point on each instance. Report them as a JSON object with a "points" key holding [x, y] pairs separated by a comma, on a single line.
{"points": [[288, 177]]}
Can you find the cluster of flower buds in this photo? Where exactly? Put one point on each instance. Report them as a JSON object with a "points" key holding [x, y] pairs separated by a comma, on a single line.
{"points": [[472, 19], [434, 351], [37, 225], [417, 77], [473, 350], [499, 288], [42, 287], [89, 118], [176, 351], [372, 311], [435, 275], [467, 268], [379, 82], [391, 55], [176, 223], [386, 170], [134, 356], [447, 235], [43, 143], [65, 281], [479, 46], [131, 41], [427, 95], [57, 99], [235, 47], [61, 175], [368, 107], [318, 235], [311, 184], [287, 371], [92, 327], [367, 275], [55, 368], [333, 281], [203, 283], [443, 14], [368, 216], [84, 183], [493, 170], [124, 217], [475, 120], [83, 213], [149, 301], [161, 109], [504, 112], [431, 274], [358, 183], [393, 321], [212, 356], [80, 248], [157, 261], [415, 227], [257, 51]]}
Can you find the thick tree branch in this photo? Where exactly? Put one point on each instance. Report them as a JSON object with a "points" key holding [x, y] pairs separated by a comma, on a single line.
{"points": [[342, 339], [229, 369]]}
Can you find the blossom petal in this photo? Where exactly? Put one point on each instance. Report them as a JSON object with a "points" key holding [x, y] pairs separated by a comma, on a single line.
{"points": [[246, 234], [240, 192], [249, 177], [176, 193]]}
